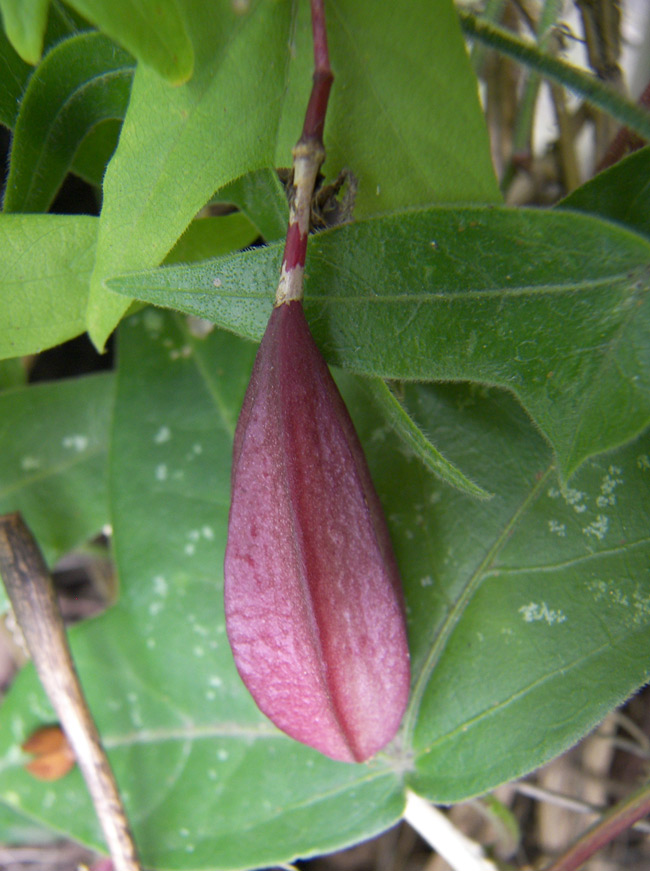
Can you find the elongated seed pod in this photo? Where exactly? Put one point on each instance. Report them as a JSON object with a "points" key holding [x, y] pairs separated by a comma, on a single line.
{"points": [[314, 609]]}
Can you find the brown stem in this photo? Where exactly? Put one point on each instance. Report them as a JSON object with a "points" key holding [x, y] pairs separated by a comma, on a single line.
{"points": [[308, 157], [31, 593], [566, 142], [621, 817]]}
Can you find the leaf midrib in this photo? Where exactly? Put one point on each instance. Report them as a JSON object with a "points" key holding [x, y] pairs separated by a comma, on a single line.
{"points": [[499, 291], [569, 563]]}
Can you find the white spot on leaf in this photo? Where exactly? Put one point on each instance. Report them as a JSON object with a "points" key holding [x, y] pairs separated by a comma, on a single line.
{"points": [[180, 353], [574, 498], [557, 528], [163, 435], [598, 527], [535, 612], [611, 480], [75, 442]]}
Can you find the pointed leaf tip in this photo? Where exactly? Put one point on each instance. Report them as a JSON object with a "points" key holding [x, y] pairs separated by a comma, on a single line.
{"points": [[314, 608]]}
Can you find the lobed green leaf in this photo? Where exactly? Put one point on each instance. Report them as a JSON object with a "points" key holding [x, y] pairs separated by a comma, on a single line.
{"points": [[46, 261], [82, 81], [550, 305], [153, 32]]}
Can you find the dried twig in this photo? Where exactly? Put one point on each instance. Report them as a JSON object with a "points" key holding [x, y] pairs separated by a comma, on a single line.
{"points": [[31, 593]]}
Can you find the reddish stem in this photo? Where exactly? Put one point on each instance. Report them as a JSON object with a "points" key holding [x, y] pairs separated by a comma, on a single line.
{"points": [[319, 31], [323, 78], [315, 116], [308, 157], [621, 817]]}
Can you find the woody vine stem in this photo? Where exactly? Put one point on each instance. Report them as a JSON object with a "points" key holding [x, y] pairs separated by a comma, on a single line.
{"points": [[308, 157]]}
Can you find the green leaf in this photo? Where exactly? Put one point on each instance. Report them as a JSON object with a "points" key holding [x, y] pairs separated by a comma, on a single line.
{"points": [[46, 261], [208, 782], [153, 32], [12, 373], [53, 447], [16, 828], [95, 150], [404, 425], [24, 23], [261, 196], [15, 73], [212, 236], [81, 82], [536, 610], [620, 193], [533, 609], [243, 111], [550, 305]]}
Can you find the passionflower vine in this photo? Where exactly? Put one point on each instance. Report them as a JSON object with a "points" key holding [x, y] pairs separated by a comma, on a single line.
{"points": [[314, 609]]}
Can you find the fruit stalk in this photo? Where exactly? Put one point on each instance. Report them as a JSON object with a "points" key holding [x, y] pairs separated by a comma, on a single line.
{"points": [[308, 157]]}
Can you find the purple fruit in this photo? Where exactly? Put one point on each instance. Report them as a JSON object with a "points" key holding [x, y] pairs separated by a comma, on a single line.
{"points": [[314, 608]]}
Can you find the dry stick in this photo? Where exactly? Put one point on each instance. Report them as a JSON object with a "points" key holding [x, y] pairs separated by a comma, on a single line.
{"points": [[31, 592], [308, 157]]}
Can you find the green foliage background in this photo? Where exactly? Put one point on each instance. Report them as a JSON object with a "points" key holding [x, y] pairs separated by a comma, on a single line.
{"points": [[516, 343]]}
